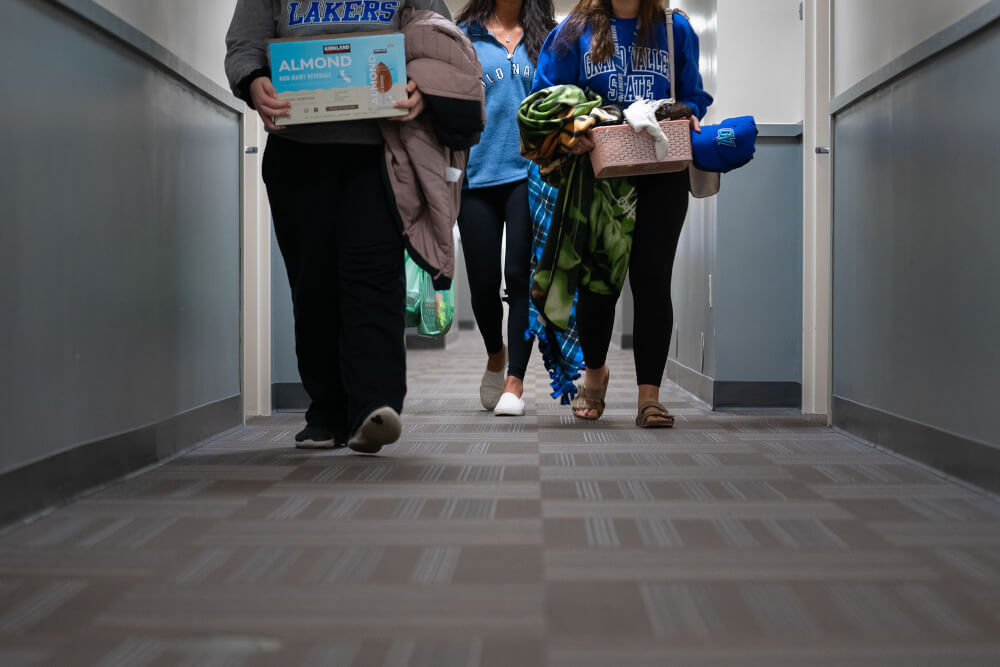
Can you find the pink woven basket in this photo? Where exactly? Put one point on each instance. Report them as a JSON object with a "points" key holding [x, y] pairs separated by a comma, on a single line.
{"points": [[621, 152]]}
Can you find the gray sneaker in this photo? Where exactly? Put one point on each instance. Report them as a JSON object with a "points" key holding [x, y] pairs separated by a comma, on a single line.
{"points": [[382, 427]]}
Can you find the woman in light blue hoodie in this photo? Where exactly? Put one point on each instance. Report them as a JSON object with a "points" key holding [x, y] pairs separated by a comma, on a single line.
{"points": [[507, 35]]}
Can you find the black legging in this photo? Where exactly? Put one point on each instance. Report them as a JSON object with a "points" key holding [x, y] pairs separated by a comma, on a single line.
{"points": [[660, 213], [481, 222]]}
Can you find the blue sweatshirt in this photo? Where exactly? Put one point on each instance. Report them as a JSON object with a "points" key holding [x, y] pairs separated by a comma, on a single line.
{"points": [[644, 74], [496, 159]]}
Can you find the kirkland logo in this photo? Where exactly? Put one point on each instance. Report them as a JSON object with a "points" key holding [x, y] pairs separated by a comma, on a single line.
{"points": [[337, 48]]}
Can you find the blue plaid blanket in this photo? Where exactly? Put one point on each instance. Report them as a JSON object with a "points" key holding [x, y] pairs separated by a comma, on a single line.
{"points": [[560, 350]]}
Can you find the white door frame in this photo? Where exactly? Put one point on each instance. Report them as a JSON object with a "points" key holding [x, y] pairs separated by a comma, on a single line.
{"points": [[817, 237], [256, 260]]}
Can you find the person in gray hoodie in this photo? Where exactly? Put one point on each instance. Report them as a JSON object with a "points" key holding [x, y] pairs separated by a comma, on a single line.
{"points": [[337, 227]]}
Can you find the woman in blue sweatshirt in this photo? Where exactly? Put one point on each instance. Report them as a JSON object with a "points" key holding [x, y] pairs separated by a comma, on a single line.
{"points": [[618, 49], [507, 35]]}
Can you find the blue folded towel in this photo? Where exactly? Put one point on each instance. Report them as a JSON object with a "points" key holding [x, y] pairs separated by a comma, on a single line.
{"points": [[725, 146]]}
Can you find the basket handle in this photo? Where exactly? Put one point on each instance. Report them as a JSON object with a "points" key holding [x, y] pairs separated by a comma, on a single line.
{"points": [[670, 51]]}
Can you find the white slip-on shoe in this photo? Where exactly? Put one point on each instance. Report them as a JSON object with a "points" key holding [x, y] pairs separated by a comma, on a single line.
{"points": [[509, 405], [381, 427]]}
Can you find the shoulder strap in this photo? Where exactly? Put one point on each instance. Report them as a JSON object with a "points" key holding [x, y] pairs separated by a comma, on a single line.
{"points": [[670, 52]]}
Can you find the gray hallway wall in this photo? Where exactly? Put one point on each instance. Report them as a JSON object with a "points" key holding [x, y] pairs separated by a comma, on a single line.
{"points": [[916, 277], [757, 286], [283, 365], [748, 238], [692, 349], [737, 285], [120, 256]]}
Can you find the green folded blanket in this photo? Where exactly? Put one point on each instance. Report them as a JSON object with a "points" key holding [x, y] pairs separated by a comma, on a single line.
{"points": [[590, 238]]}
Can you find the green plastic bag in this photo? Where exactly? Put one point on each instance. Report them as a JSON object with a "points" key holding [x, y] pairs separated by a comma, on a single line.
{"points": [[437, 309], [413, 284], [431, 311]]}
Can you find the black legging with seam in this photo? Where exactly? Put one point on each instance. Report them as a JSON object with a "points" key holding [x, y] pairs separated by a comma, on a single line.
{"points": [[481, 223], [660, 212]]}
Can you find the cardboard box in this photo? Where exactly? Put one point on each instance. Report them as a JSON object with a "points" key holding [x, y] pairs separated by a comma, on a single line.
{"points": [[339, 77]]}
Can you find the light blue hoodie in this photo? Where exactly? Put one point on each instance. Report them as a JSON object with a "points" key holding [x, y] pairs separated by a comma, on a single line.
{"points": [[496, 159]]}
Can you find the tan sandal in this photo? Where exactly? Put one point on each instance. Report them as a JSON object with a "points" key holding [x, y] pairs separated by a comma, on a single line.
{"points": [[648, 411], [590, 399]]}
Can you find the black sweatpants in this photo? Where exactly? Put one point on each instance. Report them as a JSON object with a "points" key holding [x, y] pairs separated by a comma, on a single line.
{"points": [[337, 228], [481, 223], [660, 213]]}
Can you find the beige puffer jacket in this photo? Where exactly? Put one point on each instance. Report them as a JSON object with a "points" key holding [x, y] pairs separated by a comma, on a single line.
{"points": [[426, 177]]}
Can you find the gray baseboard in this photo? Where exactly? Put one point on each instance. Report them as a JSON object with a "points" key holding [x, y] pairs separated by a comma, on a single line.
{"points": [[700, 385], [289, 397], [54, 480], [757, 394], [416, 341], [969, 460], [725, 394]]}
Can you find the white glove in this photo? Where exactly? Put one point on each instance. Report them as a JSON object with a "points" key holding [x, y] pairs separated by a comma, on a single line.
{"points": [[641, 115]]}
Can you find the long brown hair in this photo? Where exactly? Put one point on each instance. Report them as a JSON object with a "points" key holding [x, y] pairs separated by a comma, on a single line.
{"points": [[597, 14], [537, 20]]}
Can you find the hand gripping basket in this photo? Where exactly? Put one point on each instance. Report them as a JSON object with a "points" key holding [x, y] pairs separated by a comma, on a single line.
{"points": [[620, 151]]}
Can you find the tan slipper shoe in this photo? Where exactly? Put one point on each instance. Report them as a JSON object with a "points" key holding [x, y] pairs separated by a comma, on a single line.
{"points": [[591, 399], [652, 414]]}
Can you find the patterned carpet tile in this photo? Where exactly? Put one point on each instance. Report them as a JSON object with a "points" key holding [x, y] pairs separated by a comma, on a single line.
{"points": [[744, 538]]}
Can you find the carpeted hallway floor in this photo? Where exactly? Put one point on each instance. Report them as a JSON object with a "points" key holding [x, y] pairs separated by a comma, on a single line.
{"points": [[734, 539]]}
